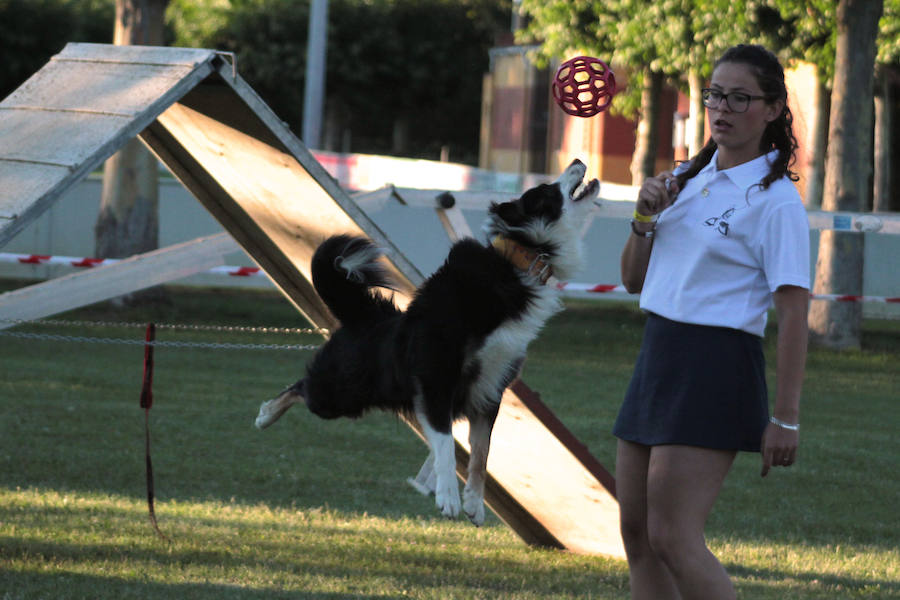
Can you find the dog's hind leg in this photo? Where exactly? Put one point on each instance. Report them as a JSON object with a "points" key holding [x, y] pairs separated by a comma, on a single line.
{"points": [[480, 426], [446, 491]]}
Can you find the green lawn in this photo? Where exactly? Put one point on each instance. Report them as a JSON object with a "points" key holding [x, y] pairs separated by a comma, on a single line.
{"points": [[317, 509]]}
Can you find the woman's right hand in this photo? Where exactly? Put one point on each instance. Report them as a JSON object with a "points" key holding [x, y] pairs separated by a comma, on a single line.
{"points": [[655, 196]]}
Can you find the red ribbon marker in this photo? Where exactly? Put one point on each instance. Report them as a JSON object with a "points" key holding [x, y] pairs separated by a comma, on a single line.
{"points": [[34, 259], [146, 403], [88, 262]]}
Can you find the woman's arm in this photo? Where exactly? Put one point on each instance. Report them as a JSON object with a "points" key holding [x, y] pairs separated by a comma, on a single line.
{"points": [[653, 198], [779, 446]]}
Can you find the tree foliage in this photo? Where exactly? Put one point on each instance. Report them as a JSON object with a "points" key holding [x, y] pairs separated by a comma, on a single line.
{"points": [[672, 37], [889, 35], [812, 34], [416, 62], [676, 37]]}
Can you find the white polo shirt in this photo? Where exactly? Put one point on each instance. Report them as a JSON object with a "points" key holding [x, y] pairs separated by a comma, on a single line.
{"points": [[725, 245]]}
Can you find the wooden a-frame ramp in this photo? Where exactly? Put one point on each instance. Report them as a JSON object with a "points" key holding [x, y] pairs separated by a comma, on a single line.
{"points": [[269, 193]]}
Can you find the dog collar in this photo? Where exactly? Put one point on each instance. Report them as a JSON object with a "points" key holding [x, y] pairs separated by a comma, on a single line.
{"points": [[523, 258]]}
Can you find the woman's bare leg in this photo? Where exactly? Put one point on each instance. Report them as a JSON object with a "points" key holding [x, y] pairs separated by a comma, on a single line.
{"points": [[650, 577], [682, 485]]}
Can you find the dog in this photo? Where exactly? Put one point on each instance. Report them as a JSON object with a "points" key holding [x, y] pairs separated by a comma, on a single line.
{"points": [[461, 341]]}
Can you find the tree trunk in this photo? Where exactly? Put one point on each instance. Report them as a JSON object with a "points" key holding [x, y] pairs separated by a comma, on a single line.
{"points": [[643, 162], [847, 170], [128, 222], [818, 144], [696, 115], [129, 205], [883, 183]]}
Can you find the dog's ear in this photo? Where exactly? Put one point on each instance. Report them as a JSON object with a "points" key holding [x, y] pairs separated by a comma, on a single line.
{"points": [[533, 200], [545, 199], [510, 212]]}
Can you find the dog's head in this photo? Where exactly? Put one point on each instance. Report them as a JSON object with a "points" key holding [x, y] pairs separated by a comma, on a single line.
{"points": [[546, 219]]}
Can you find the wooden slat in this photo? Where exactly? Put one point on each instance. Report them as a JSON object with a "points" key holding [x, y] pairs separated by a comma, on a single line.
{"points": [[72, 115], [216, 199], [269, 202], [21, 183], [140, 55], [454, 223], [102, 283], [545, 477], [100, 88], [35, 136], [250, 101], [505, 503]]}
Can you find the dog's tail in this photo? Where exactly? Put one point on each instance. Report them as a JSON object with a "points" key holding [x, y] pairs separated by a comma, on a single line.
{"points": [[344, 269]]}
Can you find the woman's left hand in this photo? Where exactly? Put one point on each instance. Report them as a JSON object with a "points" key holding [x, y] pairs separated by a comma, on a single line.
{"points": [[779, 447]]}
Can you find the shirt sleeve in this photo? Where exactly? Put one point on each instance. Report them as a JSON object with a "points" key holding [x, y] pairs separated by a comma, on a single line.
{"points": [[785, 247]]}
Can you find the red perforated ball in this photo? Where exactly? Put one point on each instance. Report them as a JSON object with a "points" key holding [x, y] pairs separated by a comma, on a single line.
{"points": [[584, 86]]}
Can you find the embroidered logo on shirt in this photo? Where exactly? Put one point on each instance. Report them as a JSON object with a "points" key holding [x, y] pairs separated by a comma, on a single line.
{"points": [[720, 222]]}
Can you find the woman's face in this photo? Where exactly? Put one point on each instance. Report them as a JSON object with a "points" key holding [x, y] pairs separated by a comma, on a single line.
{"points": [[739, 134]]}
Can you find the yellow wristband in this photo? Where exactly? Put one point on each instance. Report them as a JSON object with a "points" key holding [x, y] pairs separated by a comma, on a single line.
{"points": [[643, 218]]}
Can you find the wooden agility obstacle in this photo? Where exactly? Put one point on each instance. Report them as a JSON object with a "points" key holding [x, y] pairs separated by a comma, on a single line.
{"points": [[269, 193]]}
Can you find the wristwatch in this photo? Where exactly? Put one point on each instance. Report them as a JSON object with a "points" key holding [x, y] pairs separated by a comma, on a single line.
{"points": [[644, 234]]}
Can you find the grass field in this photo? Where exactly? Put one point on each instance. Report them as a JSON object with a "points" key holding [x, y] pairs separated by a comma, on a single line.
{"points": [[321, 510]]}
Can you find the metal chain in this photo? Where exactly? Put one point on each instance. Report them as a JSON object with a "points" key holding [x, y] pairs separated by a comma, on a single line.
{"points": [[183, 327], [171, 344]]}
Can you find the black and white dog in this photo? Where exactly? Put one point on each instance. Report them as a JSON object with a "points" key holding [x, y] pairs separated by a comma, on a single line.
{"points": [[462, 339]]}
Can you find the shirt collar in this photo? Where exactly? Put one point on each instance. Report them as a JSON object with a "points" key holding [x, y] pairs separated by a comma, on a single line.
{"points": [[744, 175]]}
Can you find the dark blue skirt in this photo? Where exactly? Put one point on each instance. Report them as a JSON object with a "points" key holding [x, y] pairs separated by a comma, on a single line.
{"points": [[696, 385]]}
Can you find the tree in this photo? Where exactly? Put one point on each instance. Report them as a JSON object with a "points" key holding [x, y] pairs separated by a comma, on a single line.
{"points": [[886, 183], [839, 266], [128, 222], [812, 40], [644, 32]]}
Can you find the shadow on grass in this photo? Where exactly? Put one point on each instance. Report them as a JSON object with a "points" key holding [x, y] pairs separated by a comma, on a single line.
{"points": [[410, 564], [69, 585], [755, 583]]}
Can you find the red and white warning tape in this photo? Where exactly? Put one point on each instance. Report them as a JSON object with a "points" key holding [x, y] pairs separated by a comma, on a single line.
{"points": [[848, 298], [608, 288], [600, 288], [234, 271], [72, 261]]}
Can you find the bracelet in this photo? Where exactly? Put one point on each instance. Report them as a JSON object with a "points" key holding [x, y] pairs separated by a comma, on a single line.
{"points": [[644, 234], [643, 218], [782, 424]]}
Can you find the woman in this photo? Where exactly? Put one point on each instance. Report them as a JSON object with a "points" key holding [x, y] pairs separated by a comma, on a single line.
{"points": [[712, 245]]}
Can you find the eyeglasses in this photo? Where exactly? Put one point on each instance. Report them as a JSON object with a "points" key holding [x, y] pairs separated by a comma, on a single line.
{"points": [[737, 101]]}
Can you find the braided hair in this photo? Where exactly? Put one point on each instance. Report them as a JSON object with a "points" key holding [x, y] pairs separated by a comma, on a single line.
{"points": [[778, 135]]}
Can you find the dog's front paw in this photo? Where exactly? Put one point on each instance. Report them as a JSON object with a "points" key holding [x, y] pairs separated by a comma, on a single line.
{"points": [[473, 505], [446, 498], [270, 411], [266, 415]]}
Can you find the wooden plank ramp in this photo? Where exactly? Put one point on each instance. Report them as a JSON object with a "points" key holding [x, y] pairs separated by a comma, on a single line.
{"points": [[269, 193], [101, 283]]}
